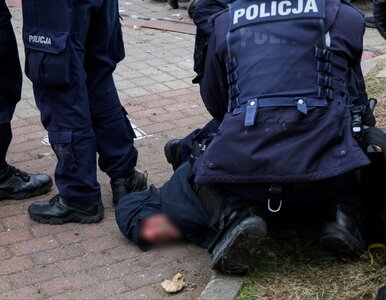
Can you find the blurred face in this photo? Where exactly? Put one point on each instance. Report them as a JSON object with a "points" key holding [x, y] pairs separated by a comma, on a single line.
{"points": [[158, 231]]}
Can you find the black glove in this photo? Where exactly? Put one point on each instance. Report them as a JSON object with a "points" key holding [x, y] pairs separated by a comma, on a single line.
{"points": [[380, 16]]}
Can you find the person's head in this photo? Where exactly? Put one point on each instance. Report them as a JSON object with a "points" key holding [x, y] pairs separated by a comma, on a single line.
{"points": [[157, 230]]}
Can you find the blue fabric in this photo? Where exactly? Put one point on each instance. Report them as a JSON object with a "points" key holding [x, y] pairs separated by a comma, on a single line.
{"points": [[10, 78], [176, 199], [277, 59], [201, 15], [134, 208], [186, 145], [72, 49]]}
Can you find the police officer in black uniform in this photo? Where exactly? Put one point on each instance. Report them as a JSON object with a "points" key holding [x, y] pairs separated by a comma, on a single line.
{"points": [[14, 184], [72, 49], [285, 78]]}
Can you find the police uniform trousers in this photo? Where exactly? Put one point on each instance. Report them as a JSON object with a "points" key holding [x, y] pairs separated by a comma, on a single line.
{"points": [[10, 79], [72, 49]]}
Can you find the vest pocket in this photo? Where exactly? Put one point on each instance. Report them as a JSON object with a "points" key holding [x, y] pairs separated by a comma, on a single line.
{"points": [[47, 58]]}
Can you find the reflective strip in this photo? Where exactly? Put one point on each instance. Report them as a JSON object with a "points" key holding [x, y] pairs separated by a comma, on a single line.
{"points": [[328, 39]]}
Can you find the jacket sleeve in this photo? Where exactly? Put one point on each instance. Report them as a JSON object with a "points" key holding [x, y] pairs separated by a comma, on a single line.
{"points": [[368, 117], [214, 87]]}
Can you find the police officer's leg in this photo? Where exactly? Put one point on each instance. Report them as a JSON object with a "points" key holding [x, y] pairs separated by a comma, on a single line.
{"points": [[373, 178], [343, 231], [14, 184], [240, 226], [10, 79], [114, 133], [55, 65]]}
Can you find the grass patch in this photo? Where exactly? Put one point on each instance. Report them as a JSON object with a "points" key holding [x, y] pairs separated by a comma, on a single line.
{"points": [[376, 88], [295, 267]]}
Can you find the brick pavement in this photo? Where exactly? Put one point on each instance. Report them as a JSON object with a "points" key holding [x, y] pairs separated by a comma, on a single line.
{"points": [[95, 261]]}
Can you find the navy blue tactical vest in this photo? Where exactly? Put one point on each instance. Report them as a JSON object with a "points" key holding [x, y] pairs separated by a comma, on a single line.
{"points": [[289, 116]]}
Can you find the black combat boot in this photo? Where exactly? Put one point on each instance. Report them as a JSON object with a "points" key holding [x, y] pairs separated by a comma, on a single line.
{"points": [[235, 253], [18, 185], [343, 233], [172, 153], [57, 212], [381, 293], [123, 186]]}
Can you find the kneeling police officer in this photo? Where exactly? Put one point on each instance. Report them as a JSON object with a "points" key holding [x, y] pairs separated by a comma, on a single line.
{"points": [[72, 49], [284, 80], [14, 183]]}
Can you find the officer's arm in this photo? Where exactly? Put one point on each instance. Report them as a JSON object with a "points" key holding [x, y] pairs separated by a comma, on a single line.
{"points": [[368, 118], [213, 86]]}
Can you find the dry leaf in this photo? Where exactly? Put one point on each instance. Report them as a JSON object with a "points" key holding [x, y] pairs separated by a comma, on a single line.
{"points": [[175, 285]]}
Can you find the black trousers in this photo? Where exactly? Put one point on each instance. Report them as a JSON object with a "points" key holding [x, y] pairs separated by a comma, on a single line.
{"points": [[10, 79]]}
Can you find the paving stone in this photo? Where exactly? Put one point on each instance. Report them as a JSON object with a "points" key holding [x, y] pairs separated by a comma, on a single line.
{"points": [[36, 275], [34, 245], [29, 293], [46, 257], [65, 285], [367, 66], [382, 74], [95, 261]]}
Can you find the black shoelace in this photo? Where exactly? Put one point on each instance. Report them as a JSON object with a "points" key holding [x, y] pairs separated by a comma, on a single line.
{"points": [[12, 171]]}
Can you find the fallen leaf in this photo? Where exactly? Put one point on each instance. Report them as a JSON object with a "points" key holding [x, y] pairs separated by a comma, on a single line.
{"points": [[175, 285]]}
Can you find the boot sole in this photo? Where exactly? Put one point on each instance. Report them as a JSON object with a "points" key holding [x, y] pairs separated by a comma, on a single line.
{"points": [[247, 240], [73, 218], [24, 194], [338, 241]]}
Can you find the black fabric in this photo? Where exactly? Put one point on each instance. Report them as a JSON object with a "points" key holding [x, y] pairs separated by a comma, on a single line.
{"points": [[380, 16], [213, 201], [373, 178], [202, 12], [5, 141], [134, 208], [177, 200], [186, 145]]}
